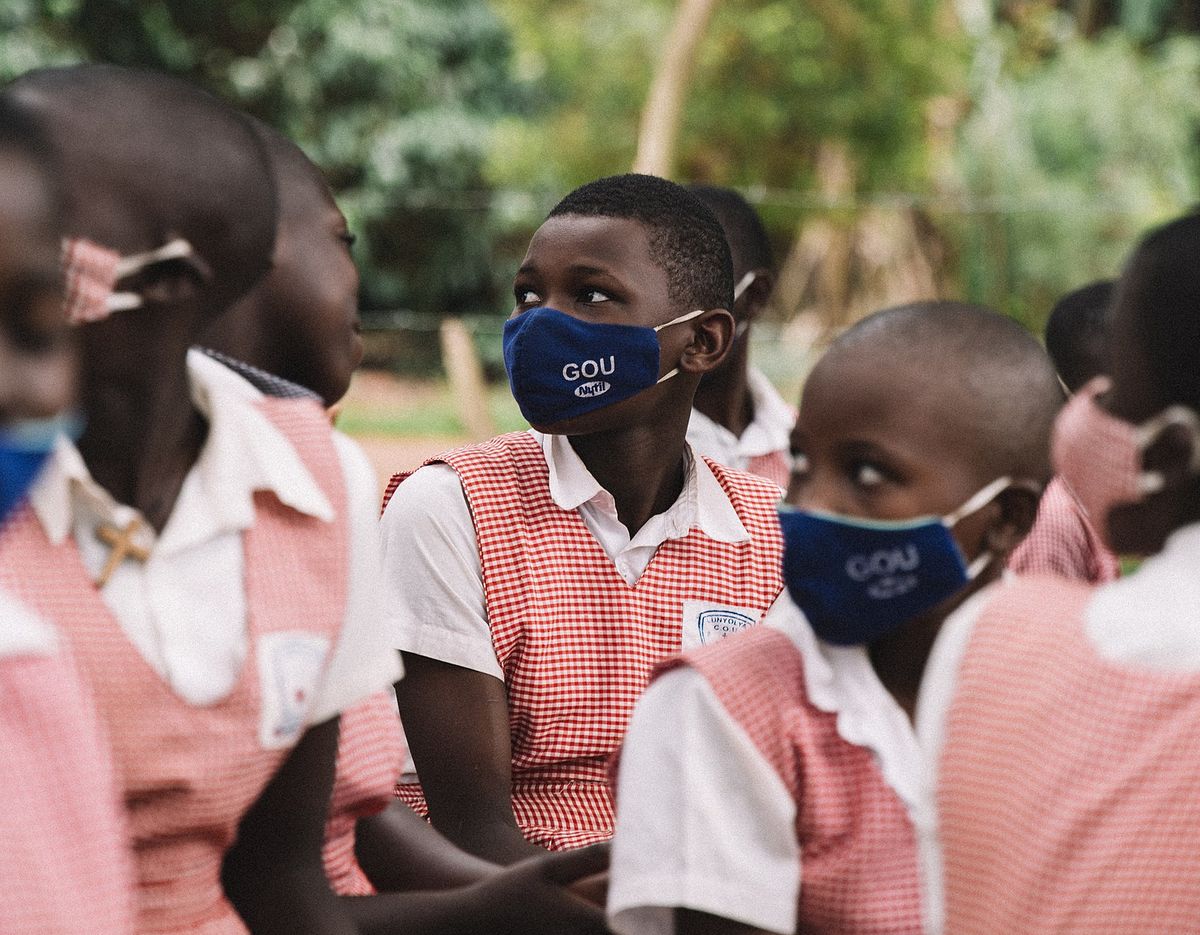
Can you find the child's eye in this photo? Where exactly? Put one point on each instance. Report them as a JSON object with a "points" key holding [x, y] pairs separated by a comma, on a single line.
{"points": [[593, 296], [526, 297], [867, 475]]}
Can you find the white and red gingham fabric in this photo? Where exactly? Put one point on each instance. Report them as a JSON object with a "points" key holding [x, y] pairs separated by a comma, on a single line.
{"points": [[575, 641], [370, 757], [188, 774], [1067, 782], [775, 466], [858, 850], [89, 274], [65, 869], [1064, 542]]}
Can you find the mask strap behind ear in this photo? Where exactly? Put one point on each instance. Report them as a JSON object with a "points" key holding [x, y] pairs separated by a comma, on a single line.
{"points": [[744, 284], [979, 500], [681, 319], [676, 321], [1150, 431], [176, 249]]}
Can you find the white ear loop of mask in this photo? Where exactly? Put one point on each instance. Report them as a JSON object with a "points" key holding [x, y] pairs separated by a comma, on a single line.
{"points": [[1151, 430], [676, 321], [743, 284], [176, 249]]}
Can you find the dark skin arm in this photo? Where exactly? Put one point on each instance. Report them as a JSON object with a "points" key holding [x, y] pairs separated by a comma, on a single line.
{"points": [[273, 874], [399, 851], [456, 721], [690, 922], [526, 899]]}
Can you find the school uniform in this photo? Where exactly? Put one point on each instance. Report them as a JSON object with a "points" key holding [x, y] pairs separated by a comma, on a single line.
{"points": [[771, 780], [66, 864], [764, 448], [1064, 722], [254, 617], [371, 747], [508, 558], [1064, 542]]}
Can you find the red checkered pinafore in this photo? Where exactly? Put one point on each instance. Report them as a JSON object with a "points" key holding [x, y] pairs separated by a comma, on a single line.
{"points": [[1064, 542], [188, 774], [575, 641], [1067, 788], [65, 869], [370, 757], [858, 850], [775, 466]]}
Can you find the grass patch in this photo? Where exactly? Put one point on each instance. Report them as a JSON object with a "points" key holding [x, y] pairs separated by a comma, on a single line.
{"points": [[434, 414]]}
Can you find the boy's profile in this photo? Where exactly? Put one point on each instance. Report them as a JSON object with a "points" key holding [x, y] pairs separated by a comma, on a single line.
{"points": [[774, 783], [738, 418], [534, 580]]}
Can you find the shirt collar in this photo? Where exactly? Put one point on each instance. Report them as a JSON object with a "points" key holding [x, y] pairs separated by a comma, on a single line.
{"points": [[244, 453], [840, 680], [774, 419], [702, 503]]}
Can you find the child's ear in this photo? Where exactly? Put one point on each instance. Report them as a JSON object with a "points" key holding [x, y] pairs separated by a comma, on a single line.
{"points": [[711, 341], [1018, 510], [170, 281]]}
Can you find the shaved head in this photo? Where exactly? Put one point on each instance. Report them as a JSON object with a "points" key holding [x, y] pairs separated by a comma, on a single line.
{"points": [[146, 157], [981, 382]]}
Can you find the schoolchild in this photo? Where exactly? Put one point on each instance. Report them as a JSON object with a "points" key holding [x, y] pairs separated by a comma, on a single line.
{"points": [[774, 783], [308, 302], [1064, 540], [1068, 716], [66, 868], [738, 418], [534, 580], [211, 561]]}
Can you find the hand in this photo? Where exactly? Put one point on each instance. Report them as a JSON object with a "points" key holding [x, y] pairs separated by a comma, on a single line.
{"points": [[531, 897]]}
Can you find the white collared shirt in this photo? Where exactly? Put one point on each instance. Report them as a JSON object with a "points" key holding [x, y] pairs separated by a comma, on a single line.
{"points": [[433, 580], [22, 633], [184, 608], [703, 820], [769, 432]]}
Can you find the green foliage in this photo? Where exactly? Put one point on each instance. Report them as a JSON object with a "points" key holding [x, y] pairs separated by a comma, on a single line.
{"points": [[1068, 162], [395, 99]]}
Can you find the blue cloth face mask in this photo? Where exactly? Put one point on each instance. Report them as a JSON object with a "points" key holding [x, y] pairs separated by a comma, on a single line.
{"points": [[858, 579], [560, 367], [24, 448]]}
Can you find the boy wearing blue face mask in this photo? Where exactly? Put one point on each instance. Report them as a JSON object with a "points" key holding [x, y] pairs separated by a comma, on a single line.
{"points": [[1068, 717], [535, 580], [776, 784], [65, 868]]}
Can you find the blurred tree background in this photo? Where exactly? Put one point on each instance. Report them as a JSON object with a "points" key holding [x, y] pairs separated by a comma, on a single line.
{"points": [[1004, 150]]}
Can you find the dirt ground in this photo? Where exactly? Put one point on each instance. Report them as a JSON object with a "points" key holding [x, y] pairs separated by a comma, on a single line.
{"points": [[380, 392]]}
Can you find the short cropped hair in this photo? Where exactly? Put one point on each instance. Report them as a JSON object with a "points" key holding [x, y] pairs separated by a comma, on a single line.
{"points": [[1161, 287], [744, 229], [1077, 331], [686, 239]]}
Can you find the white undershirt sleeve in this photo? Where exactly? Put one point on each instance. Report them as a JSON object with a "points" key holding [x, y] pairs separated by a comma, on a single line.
{"points": [[703, 821], [432, 577], [364, 660]]}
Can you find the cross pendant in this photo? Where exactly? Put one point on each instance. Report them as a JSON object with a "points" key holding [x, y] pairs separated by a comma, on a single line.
{"points": [[122, 545]]}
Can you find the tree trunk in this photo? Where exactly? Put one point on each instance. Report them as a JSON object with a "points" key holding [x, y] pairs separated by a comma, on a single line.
{"points": [[663, 113]]}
